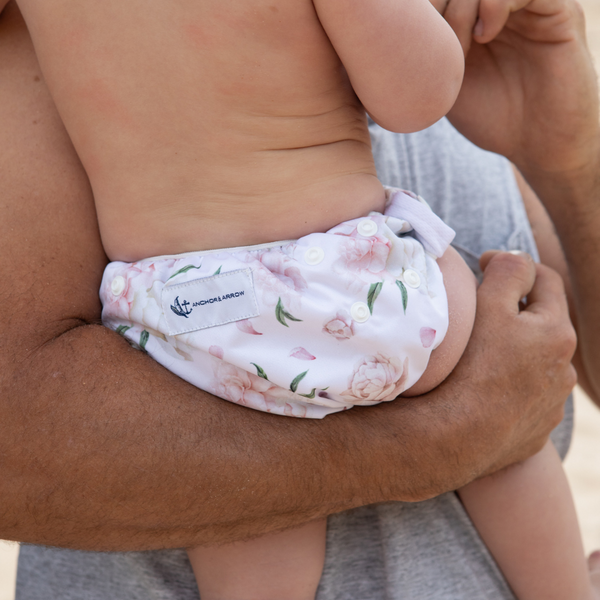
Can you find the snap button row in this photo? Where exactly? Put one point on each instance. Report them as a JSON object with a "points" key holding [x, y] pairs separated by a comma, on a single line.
{"points": [[411, 278], [313, 256], [367, 228]]}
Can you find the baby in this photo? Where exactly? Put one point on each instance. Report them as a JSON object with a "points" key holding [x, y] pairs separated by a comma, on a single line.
{"points": [[210, 131]]}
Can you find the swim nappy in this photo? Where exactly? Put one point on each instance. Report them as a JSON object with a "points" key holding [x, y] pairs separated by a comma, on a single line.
{"points": [[301, 328]]}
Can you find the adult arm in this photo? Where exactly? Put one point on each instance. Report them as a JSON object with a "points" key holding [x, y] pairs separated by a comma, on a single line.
{"points": [[101, 448], [530, 93], [552, 255]]}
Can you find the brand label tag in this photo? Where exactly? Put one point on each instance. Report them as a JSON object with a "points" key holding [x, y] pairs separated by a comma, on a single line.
{"points": [[209, 301]]}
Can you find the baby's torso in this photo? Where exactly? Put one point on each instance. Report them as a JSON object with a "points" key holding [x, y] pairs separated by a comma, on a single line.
{"points": [[206, 123]]}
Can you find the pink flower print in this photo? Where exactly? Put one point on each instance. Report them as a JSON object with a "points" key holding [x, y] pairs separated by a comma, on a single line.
{"points": [[276, 277], [376, 379], [362, 260], [216, 351], [364, 255], [283, 268], [278, 398], [138, 294], [126, 282], [406, 253], [244, 388], [146, 305], [341, 327], [302, 354], [245, 326], [294, 410], [240, 386], [271, 288], [427, 336], [151, 271]]}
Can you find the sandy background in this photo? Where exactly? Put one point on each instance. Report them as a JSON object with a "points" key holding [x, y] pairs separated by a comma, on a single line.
{"points": [[583, 461]]}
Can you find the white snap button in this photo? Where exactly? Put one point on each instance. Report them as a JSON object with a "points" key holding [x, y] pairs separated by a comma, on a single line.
{"points": [[314, 256], [360, 312], [117, 285], [367, 228], [411, 278]]}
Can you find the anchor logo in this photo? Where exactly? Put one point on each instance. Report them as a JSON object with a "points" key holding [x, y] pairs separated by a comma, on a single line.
{"points": [[181, 310]]}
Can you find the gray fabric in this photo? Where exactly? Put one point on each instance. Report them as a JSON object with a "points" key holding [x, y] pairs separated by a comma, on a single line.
{"points": [[424, 551]]}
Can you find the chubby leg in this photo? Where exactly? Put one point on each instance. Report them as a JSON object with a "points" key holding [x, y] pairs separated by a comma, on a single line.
{"points": [[279, 566], [526, 516]]}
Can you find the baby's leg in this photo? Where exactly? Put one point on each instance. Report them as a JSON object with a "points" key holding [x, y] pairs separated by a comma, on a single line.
{"points": [[461, 290], [525, 515], [277, 566]]}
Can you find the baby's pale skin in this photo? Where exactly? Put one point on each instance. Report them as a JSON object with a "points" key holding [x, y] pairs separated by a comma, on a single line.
{"points": [[214, 123]]}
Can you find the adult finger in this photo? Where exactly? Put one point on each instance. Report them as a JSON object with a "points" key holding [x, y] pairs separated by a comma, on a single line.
{"points": [[462, 16], [485, 258], [548, 300], [507, 278], [548, 293], [493, 15]]}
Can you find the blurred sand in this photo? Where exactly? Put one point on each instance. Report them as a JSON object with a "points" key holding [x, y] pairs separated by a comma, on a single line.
{"points": [[582, 464], [8, 569], [583, 469]]}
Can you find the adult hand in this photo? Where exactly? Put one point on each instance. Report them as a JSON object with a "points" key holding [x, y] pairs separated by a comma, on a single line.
{"points": [[529, 91], [518, 356]]}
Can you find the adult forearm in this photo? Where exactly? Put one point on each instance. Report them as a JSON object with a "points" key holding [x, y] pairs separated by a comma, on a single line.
{"points": [[572, 200], [104, 449], [108, 451]]}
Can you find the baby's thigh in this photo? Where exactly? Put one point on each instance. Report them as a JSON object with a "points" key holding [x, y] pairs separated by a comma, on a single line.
{"points": [[461, 285]]}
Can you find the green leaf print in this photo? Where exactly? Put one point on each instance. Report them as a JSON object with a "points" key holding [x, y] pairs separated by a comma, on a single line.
{"points": [[297, 380], [183, 270], [260, 371], [404, 294], [144, 336], [373, 293], [121, 329], [281, 314], [218, 270], [311, 395]]}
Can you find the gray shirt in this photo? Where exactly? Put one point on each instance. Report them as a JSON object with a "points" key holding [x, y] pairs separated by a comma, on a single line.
{"points": [[421, 551]]}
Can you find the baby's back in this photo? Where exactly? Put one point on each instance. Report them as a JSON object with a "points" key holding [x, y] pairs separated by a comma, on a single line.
{"points": [[207, 123]]}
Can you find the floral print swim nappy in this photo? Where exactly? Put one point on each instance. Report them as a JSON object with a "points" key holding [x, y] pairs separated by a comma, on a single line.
{"points": [[301, 328]]}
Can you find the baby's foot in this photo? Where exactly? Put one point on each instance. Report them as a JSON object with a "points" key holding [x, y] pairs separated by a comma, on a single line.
{"points": [[594, 567]]}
